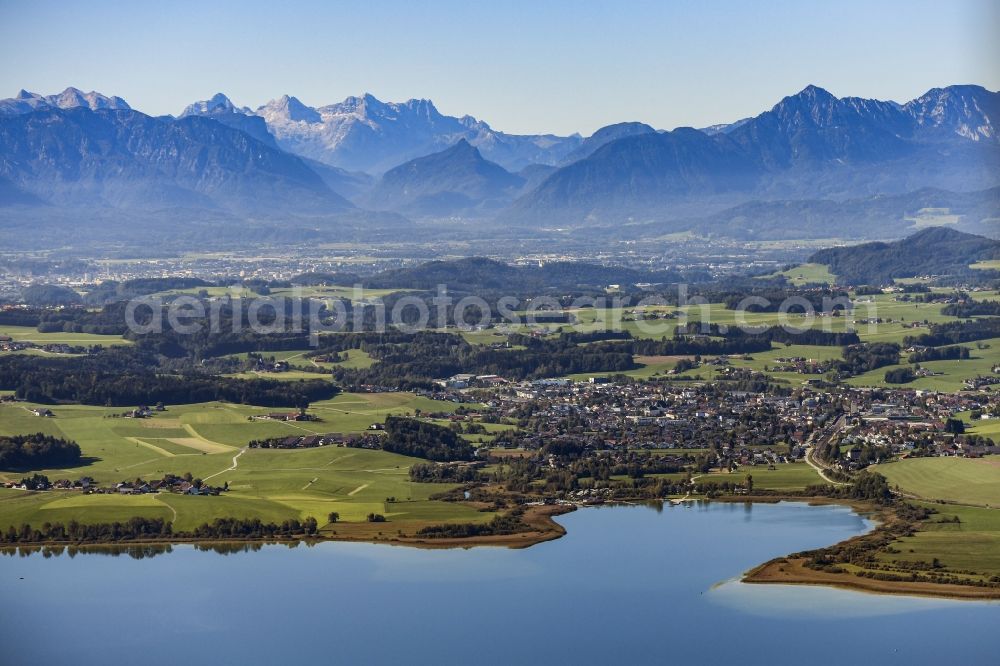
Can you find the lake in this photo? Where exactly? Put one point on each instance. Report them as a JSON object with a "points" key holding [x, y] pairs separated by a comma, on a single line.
{"points": [[626, 585]]}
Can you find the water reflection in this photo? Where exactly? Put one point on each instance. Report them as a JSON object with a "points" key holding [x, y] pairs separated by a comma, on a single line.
{"points": [[625, 585], [144, 551]]}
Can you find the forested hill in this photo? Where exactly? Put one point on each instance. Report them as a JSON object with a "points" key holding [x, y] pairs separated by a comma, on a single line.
{"points": [[932, 251], [479, 273]]}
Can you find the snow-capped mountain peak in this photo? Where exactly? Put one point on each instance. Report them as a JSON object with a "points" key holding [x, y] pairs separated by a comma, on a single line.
{"points": [[364, 133], [218, 103], [970, 111], [288, 109], [70, 98]]}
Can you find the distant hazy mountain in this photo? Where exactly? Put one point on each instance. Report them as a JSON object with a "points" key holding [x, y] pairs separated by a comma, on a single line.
{"points": [[641, 171], [352, 185], [932, 251], [534, 174], [810, 145], [126, 159], [365, 134], [450, 182], [221, 109], [606, 135], [870, 217], [724, 127], [71, 98], [811, 166]]}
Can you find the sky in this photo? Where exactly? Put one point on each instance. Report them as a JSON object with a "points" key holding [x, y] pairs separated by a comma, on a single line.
{"points": [[524, 67]]}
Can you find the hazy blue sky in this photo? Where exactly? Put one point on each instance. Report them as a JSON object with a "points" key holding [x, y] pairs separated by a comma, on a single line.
{"points": [[558, 66]]}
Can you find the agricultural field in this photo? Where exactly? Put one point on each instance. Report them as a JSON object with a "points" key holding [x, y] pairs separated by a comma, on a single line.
{"points": [[900, 319], [286, 376], [787, 476], [200, 438], [766, 361], [960, 480], [808, 274], [236, 291], [212, 292], [334, 291], [30, 334], [292, 356], [953, 373], [652, 367], [204, 439], [933, 217], [356, 359], [984, 428], [985, 295], [492, 430], [272, 485], [972, 543]]}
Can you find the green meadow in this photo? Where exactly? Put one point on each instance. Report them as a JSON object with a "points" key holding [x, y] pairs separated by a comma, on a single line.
{"points": [[949, 375], [30, 334], [787, 476], [203, 439], [272, 485], [356, 359], [808, 274], [971, 544], [973, 481]]}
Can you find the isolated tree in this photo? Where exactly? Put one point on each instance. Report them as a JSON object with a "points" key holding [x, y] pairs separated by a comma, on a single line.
{"points": [[749, 483], [333, 517]]}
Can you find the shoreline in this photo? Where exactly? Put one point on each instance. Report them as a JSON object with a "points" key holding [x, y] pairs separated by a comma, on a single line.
{"points": [[792, 571], [538, 517], [784, 570]]}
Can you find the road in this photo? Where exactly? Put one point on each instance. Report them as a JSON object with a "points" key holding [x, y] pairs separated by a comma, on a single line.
{"points": [[230, 468], [837, 426]]}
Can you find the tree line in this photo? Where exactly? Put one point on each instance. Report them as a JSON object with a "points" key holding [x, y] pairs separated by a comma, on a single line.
{"points": [[37, 451], [139, 528]]}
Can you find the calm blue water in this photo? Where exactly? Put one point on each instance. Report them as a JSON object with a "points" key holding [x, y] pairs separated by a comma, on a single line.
{"points": [[626, 585]]}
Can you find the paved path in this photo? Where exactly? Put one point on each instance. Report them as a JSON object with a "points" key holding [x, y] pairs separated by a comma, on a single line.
{"points": [[161, 500], [687, 497], [820, 470], [230, 468]]}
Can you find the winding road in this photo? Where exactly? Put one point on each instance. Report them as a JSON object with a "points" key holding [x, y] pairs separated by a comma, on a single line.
{"points": [[820, 469], [230, 468]]}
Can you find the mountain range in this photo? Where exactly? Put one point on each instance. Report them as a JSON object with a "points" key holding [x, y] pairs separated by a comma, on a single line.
{"points": [[76, 157], [366, 134], [831, 157], [808, 146]]}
